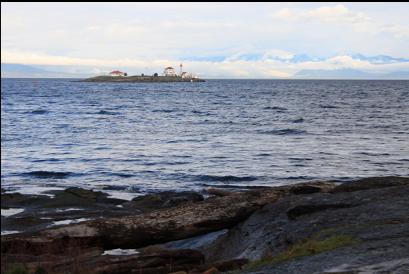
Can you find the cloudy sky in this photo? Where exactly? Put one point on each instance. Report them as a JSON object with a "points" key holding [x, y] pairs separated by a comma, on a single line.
{"points": [[214, 40]]}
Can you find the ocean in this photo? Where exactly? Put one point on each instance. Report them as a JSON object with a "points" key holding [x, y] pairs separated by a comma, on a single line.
{"points": [[129, 139]]}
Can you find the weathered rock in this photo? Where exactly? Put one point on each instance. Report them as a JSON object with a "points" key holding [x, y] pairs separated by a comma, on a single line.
{"points": [[69, 197], [184, 221], [399, 266], [90, 261], [219, 192], [41, 211], [162, 200], [85, 193], [223, 266], [212, 270], [305, 189], [198, 243], [300, 210], [375, 220], [75, 196], [20, 200], [371, 183]]}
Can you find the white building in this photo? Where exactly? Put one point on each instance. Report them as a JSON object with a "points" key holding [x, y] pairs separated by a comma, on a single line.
{"points": [[188, 75], [169, 71], [116, 73]]}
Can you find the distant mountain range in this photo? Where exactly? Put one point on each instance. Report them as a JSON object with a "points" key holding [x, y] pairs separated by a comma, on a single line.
{"points": [[349, 74], [24, 71], [297, 58], [380, 59]]}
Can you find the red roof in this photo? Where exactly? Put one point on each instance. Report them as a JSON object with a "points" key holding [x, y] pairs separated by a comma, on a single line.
{"points": [[169, 68], [115, 72]]}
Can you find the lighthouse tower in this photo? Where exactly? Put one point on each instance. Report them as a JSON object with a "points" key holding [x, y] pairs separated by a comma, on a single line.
{"points": [[181, 69]]}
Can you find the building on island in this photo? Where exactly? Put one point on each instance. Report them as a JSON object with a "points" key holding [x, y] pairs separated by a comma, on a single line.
{"points": [[186, 75], [117, 73], [169, 71]]}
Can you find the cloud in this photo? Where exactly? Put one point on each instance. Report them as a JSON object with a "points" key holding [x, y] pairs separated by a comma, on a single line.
{"points": [[30, 58], [342, 16], [282, 54], [286, 14], [252, 40], [398, 31], [338, 13]]}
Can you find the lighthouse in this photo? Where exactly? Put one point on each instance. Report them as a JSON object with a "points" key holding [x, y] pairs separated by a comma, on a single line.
{"points": [[181, 69]]}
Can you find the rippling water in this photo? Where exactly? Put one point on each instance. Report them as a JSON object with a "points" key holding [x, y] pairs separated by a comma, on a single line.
{"points": [[141, 137]]}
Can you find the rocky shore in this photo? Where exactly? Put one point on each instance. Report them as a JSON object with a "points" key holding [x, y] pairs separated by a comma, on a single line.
{"points": [[141, 79], [360, 226]]}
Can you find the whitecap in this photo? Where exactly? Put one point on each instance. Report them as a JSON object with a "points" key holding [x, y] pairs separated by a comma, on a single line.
{"points": [[11, 211], [7, 232], [120, 252], [70, 221]]}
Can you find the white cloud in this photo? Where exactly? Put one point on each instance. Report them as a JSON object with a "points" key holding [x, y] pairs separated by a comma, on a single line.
{"points": [[283, 54], [28, 58], [342, 16], [337, 13], [398, 31], [286, 14]]}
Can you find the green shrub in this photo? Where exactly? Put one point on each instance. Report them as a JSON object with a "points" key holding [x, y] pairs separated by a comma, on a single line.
{"points": [[308, 247], [17, 269]]}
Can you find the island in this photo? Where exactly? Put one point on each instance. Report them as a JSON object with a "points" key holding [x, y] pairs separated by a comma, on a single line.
{"points": [[169, 75], [141, 79]]}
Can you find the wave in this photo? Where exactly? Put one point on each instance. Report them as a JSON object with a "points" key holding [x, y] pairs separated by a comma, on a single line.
{"points": [[227, 178], [299, 120], [123, 175], [308, 178], [115, 187], [48, 174], [373, 154], [238, 187], [106, 112], [287, 131], [39, 111], [276, 108], [263, 155], [164, 110], [46, 160], [382, 126], [328, 106], [300, 159], [199, 112]]}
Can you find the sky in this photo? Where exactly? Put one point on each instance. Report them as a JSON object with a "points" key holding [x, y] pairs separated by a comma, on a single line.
{"points": [[213, 40]]}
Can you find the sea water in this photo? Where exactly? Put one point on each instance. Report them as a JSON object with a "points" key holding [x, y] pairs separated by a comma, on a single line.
{"points": [[133, 138]]}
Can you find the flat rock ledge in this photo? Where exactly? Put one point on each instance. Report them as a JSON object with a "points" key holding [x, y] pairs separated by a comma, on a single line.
{"points": [[266, 229]]}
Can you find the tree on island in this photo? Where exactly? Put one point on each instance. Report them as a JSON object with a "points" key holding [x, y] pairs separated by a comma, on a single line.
{"points": [[155, 74], [125, 74]]}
